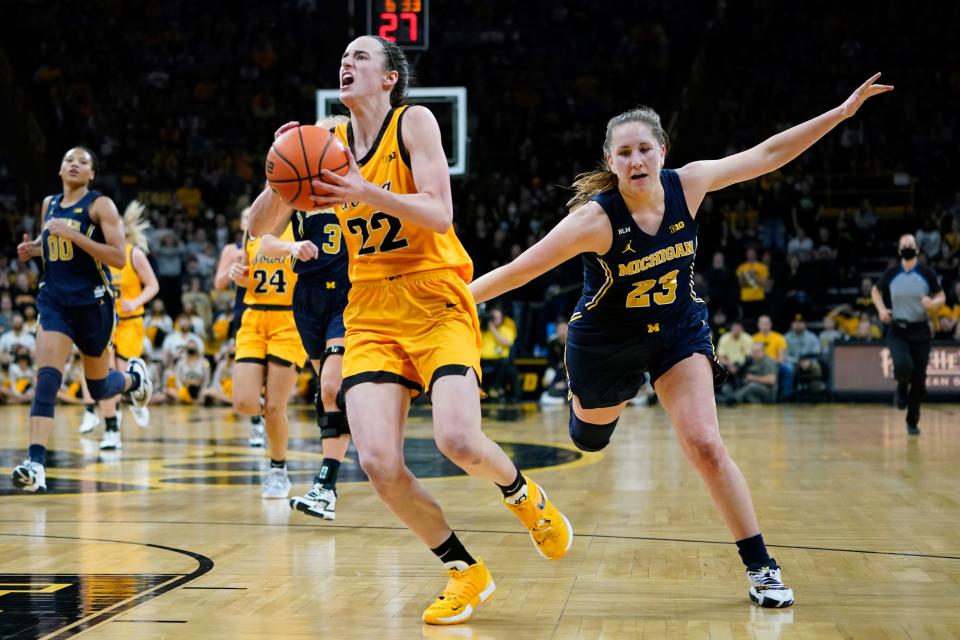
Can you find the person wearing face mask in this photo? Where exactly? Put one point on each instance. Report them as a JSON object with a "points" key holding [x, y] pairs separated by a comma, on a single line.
{"points": [[903, 296], [192, 373], [634, 223]]}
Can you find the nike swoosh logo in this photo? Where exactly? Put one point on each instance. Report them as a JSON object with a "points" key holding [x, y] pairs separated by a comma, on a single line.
{"points": [[451, 305], [542, 503]]}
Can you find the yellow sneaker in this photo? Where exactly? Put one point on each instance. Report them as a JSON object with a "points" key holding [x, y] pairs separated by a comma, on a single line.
{"points": [[465, 591], [550, 530]]}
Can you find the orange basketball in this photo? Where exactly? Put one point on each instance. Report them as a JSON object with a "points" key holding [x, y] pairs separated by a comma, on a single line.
{"points": [[295, 160]]}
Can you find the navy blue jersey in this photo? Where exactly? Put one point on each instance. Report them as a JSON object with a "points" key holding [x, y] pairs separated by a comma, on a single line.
{"points": [[71, 275], [239, 306], [643, 281], [323, 229]]}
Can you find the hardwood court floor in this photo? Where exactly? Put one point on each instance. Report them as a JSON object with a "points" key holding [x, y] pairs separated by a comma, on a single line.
{"points": [[171, 539]]}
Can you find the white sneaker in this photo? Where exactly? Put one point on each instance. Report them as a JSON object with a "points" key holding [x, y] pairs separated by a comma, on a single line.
{"points": [[257, 432], [90, 422], [111, 441], [141, 396], [319, 502], [549, 400], [276, 484], [141, 415], [766, 589], [30, 476]]}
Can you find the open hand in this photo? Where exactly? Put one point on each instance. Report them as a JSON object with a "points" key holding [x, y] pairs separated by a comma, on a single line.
{"points": [[282, 130], [867, 90], [239, 272], [336, 189]]}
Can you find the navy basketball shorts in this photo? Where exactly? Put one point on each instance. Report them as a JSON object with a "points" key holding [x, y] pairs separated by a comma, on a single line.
{"points": [[607, 365], [318, 312], [90, 326]]}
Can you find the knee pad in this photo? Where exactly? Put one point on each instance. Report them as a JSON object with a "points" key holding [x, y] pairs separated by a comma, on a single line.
{"points": [[45, 396], [107, 387], [335, 350], [590, 437], [333, 424], [97, 388]]}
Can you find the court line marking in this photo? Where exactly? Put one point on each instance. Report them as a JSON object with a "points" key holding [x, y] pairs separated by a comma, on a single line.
{"points": [[204, 565], [606, 536]]}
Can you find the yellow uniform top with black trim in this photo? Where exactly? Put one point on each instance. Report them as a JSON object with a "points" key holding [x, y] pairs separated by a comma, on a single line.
{"points": [[126, 285], [380, 245], [271, 279]]}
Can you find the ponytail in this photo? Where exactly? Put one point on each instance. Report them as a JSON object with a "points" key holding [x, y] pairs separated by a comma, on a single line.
{"points": [[589, 184]]}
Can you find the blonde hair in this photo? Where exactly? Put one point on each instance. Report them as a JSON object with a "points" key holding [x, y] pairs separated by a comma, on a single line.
{"points": [[587, 185], [135, 227], [332, 122]]}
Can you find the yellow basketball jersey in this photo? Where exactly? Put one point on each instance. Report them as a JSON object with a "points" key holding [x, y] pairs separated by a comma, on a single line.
{"points": [[126, 285], [380, 245], [271, 279]]}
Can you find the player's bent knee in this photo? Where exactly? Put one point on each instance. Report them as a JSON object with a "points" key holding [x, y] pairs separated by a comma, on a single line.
{"points": [[381, 468], [246, 407], [707, 454], [460, 447], [590, 437], [45, 396]]}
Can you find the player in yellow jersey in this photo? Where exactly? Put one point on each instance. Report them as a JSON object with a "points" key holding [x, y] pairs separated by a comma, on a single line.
{"points": [[134, 285], [411, 322], [268, 352], [233, 252]]}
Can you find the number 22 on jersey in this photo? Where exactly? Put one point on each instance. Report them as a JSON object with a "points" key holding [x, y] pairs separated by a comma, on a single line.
{"points": [[388, 240]]}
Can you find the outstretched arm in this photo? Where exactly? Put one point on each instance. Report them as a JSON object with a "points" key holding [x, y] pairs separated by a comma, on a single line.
{"points": [[585, 230], [699, 178]]}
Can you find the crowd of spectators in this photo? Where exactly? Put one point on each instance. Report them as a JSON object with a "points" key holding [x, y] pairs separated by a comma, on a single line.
{"points": [[184, 117]]}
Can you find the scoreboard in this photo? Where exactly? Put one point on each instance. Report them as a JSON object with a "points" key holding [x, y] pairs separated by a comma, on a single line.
{"points": [[406, 22]]}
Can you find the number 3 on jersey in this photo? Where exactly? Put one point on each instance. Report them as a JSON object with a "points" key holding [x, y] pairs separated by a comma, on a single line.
{"points": [[276, 281], [388, 242]]}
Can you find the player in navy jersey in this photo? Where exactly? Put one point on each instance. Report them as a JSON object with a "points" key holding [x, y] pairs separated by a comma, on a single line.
{"points": [[635, 225], [81, 238], [319, 298]]}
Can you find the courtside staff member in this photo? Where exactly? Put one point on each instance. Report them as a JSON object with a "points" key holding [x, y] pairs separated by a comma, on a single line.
{"points": [[903, 296]]}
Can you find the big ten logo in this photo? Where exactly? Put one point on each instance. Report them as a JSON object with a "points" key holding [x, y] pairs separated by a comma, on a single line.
{"points": [[677, 227]]}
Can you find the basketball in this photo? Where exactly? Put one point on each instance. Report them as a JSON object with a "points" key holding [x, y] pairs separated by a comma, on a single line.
{"points": [[295, 160]]}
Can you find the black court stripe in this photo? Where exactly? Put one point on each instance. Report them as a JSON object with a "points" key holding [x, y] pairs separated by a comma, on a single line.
{"points": [[156, 621], [603, 536], [204, 565]]}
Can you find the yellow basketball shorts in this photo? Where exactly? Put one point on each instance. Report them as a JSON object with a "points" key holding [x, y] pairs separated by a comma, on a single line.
{"points": [[269, 335], [128, 337], [410, 330]]}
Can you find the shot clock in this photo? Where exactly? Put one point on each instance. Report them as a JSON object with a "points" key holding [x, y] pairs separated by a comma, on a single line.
{"points": [[405, 22]]}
